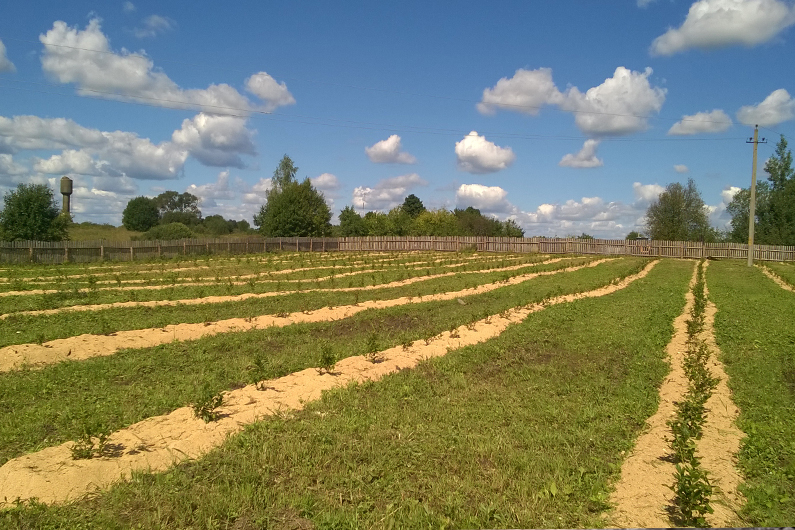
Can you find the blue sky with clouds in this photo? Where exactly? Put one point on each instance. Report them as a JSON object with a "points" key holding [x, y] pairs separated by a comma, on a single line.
{"points": [[566, 116]]}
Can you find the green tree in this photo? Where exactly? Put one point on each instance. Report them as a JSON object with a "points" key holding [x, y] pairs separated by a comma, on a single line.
{"points": [[168, 232], [31, 213], [178, 208], [140, 214], [351, 223], [679, 214], [292, 209], [216, 225], [436, 223], [413, 206], [774, 222], [632, 236]]}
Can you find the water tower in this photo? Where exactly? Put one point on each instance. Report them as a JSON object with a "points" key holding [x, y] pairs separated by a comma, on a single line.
{"points": [[66, 191]]}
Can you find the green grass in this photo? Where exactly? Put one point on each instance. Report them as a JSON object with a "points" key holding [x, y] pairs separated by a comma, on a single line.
{"points": [[786, 271], [526, 430], [754, 329], [50, 406], [21, 329], [95, 232]]}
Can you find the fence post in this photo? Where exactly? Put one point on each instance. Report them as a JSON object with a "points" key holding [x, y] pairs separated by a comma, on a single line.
{"points": [[184, 248], [30, 253], [65, 253], [102, 252], [310, 244], [132, 252], [159, 250]]}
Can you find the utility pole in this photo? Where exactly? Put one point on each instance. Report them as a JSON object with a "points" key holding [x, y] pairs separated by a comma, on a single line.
{"points": [[752, 212]]}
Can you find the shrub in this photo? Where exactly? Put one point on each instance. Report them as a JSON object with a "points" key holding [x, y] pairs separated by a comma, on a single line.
{"points": [[168, 232]]}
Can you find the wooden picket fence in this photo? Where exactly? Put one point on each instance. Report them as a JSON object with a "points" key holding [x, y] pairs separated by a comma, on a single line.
{"points": [[89, 251]]}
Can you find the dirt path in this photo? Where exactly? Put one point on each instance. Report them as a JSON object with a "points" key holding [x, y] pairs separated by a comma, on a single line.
{"points": [[642, 495], [776, 278], [159, 442], [87, 346], [244, 296]]}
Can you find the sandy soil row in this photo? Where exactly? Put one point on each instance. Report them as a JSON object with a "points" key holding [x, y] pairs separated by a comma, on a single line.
{"points": [[87, 346], [157, 443], [258, 276], [39, 280], [776, 278], [244, 296], [642, 495]]}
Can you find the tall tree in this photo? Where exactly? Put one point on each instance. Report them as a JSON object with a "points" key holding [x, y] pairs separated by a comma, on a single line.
{"points": [[679, 214], [351, 223], [292, 209], [31, 213], [413, 206]]}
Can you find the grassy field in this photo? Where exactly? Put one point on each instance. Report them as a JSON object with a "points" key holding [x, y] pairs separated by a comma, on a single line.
{"points": [[528, 429], [96, 232], [754, 328]]}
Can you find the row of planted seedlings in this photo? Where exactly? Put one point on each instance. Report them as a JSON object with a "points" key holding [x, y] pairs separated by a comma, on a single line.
{"points": [[74, 399], [692, 488], [523, 431], [91, 286], [21, 276], [247, 303], [784, 270]]}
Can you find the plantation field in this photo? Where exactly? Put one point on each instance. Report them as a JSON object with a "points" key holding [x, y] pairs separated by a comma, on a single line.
{"points": [[396, 390]]}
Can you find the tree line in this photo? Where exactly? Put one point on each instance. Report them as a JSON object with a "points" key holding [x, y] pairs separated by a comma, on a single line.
{"points": [[294, 208]]}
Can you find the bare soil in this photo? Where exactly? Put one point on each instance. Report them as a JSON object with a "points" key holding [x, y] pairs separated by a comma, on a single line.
{"points": [[159, 442]]}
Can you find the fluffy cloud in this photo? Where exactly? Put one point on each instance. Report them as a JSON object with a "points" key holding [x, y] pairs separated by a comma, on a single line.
{"points": [[32, 132], [69, 58], [489, 199], [778, 107], [585, 158], [388, 152], [10, 168], [718, 23], [701, 122], [681, 168], [527, 91], [153, 25], [73, 162], [266, 88], [128, 7], [5, 64], [387, 194], [475, 154], [619, 106], [257, 194], [645, 193], [326, 182], [216, 140]]}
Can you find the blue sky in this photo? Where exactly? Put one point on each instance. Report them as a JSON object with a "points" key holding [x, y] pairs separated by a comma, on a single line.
{"points": [[567, 116]]}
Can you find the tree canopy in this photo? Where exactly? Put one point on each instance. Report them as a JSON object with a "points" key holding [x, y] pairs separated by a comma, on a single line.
{"points": [[413, 206], [679, 214], [31, 213], [178, 208], [292, 208], [140, 214], [775, 203]]}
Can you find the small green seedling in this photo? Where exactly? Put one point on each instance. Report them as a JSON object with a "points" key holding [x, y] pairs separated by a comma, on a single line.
{"points": [[328, 359], [205, 407]]}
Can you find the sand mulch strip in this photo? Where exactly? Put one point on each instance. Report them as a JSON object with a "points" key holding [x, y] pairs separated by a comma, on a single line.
{"points": [[239, 297], [159, 442], [87, 346], [260, 276], [642, 494], [776, 278]]}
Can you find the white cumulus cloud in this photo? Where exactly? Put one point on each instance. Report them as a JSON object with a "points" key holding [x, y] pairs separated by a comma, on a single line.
{"points": [[619, 106], [585, 158], [273, 93], [719, 23], [681, 168], [10, 168], [777, 108], [645, 193], [475, 154], [216, 140], [489, 199], [389, 152], [326, 182], [527, 91], [701, 122], [69, 58], [5, 64]]}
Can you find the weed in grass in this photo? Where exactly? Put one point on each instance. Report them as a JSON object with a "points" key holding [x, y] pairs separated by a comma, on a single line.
{"points": [[328, 358], [205, 407]]}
